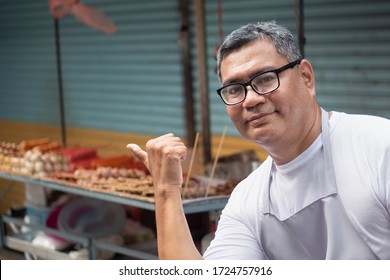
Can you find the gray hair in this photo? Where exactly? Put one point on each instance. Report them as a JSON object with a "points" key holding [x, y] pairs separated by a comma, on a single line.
{"points": [[282, 39]]}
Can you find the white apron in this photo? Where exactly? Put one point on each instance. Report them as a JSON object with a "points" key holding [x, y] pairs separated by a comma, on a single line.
{"points": [[321, 230]]}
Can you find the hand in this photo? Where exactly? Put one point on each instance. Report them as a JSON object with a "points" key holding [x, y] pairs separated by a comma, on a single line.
{"points": [[163, 157]]}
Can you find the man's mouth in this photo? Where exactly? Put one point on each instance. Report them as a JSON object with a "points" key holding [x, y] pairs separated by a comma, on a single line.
{"points": [[257, 120]]}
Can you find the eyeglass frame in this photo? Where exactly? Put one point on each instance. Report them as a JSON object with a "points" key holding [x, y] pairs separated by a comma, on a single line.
{"points": [[276, 71]]}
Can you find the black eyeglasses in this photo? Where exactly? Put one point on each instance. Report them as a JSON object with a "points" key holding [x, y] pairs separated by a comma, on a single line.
{"points": [[262, 83]]}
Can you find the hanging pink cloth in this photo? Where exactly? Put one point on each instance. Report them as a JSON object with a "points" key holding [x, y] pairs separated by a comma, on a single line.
{"points": [[84, 13]]}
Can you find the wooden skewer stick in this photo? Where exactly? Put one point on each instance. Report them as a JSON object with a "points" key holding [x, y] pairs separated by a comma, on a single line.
{"points": [[215, 162], [190, 166]]}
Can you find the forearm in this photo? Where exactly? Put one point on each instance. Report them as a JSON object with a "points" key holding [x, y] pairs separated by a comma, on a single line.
{"points": [[174, 236]]}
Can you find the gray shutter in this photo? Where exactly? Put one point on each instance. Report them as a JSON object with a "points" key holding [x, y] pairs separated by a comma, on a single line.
{"points": [[348, 43], [129, 81], [28, 80]]}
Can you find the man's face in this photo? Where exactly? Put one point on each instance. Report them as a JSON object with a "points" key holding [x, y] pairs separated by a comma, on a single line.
{"points": [[279, 116]]}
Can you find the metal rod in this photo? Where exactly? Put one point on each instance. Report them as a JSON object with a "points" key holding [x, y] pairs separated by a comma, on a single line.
{"points": [[184, 43], [299, 12], [60, 86], [203, 78]]}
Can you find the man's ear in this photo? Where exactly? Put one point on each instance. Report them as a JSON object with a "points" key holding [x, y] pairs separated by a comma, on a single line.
{"points": [[307, 73]]}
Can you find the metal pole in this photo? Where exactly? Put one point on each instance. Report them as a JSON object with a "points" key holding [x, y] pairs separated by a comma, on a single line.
{"points": [[60, 87], [184, 43], [203, 78], [299, 12]]}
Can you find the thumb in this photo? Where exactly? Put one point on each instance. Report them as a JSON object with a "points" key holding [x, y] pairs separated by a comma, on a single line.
{"points": [[140, 154]]}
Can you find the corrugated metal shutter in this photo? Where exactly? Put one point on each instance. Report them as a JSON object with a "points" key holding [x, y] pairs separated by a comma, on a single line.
{"points": [[129, 81], [348, 43], [28, 81]]}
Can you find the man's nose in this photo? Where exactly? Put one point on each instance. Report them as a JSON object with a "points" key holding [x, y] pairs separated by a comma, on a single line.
{"points": [[252, 97]]}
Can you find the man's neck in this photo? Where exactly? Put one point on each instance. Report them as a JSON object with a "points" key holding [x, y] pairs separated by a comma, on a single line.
{"points": [[286, 152]]}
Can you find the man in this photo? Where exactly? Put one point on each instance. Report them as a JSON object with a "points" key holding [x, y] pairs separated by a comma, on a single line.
{"points": [[324, 190]]}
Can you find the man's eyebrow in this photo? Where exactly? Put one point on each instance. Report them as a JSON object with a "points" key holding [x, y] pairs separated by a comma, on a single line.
{"points": [[253, 74]]}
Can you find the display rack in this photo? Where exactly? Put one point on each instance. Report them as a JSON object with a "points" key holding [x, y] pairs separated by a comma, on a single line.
{"points": [[22, 243]]}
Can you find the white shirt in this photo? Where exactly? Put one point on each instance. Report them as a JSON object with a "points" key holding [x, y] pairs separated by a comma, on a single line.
{"points": [[293, 212]]}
